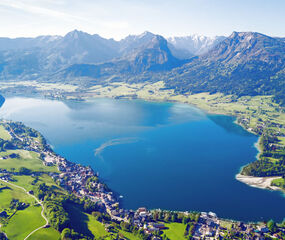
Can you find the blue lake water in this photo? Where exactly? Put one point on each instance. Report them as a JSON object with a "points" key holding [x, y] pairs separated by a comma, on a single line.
{"points": [[159, 155]]}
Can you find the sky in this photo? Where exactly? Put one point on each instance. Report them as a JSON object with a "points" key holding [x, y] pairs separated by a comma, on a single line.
{"points": [[119, 18]]}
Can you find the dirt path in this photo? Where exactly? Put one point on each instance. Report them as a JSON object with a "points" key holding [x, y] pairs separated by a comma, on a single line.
{"points": [[38, 202]]}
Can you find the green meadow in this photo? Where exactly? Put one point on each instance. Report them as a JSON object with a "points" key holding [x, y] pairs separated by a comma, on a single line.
{"points": [[27, 159]]}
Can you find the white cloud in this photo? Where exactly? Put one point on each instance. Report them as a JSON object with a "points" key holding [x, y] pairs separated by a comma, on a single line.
{"points": [[26, 6], [118, 18]]}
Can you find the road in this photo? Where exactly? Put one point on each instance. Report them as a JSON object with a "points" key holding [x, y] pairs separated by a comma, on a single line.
{"points": [[37, 200]]}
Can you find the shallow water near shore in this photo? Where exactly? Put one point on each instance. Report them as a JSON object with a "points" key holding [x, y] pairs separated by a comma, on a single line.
{"points": [[159, 155]]}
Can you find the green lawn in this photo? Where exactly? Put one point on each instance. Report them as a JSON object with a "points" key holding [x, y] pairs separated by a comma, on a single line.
{"points": [[175, 231], [7, 193], [4, 133], [44, 234], [280, 182], [26, 181], [24, 222], [129, 235], [97, 228], [27, 159]]}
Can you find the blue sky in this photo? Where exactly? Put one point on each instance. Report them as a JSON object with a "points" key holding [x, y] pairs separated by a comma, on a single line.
{"points": [[119, 18]]}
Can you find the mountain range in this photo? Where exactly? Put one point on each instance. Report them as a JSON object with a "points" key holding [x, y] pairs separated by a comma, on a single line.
{"points": [[30, 58], [245, 63]]}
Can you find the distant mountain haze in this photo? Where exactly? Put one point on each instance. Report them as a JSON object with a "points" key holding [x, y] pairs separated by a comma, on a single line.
{"points": [[27, 58]]}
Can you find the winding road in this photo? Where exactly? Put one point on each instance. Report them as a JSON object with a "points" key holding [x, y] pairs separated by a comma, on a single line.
{"points": [[37, 200]]}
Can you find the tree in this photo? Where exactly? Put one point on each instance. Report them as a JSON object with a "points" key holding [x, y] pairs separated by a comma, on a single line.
{"points": [[24, 171], [271, 226], [160, 215], [283, 223], [185, 220], [174, 217], [65, 234], [155, 216], [166, 217], [2, 236]]}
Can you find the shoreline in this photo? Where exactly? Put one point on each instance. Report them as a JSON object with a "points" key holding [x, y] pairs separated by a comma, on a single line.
{"points": [[258, 182], [257, 146]]}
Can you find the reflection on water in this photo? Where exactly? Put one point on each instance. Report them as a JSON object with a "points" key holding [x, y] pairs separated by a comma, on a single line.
{"points": [[227, 124], [158, 155]]}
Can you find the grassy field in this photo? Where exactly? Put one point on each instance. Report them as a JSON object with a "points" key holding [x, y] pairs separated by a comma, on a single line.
{"points": [[139, 90], [175, 231], [44, 234], [96, 227], [4, 134], [24, 222], [27, 182], [8, 192], [27, 159], [40, 87], [129, 235], [279, 183]]}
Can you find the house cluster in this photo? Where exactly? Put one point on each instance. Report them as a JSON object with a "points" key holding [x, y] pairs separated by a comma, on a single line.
{"points": [[152, 227], [207, 226], [210, 226], [74, 177], [5, 175], [141, 217]]}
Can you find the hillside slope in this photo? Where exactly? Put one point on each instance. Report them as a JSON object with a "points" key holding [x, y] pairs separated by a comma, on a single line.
{"points": [[243, 64]]}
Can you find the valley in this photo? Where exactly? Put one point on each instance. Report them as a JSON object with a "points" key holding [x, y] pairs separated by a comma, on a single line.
{"points": [[82, 77]]}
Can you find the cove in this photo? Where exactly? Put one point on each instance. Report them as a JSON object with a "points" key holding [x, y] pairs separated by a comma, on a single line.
{"points": [[159, 155]]}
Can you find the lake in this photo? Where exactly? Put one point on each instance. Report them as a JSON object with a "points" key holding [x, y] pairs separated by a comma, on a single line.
{"points": [[158, 155]]}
